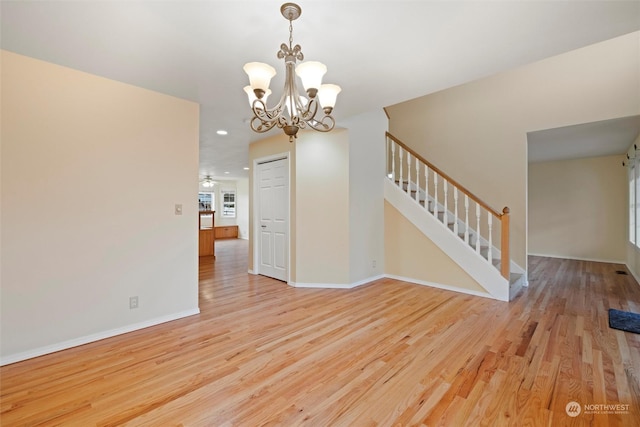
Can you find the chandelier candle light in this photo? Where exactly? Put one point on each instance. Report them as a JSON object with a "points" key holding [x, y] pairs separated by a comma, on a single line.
{"points": [[294, 111]]}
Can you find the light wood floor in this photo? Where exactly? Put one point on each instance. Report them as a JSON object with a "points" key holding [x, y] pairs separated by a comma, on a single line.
{"points": [[388, 353]]}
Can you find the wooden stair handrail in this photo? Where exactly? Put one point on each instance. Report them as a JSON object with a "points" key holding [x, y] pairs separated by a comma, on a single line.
{"points": [[447, 177]]}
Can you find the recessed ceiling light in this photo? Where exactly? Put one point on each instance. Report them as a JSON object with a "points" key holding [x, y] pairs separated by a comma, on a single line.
{"points": [[222, 132], [226, 173], [246, 169]]}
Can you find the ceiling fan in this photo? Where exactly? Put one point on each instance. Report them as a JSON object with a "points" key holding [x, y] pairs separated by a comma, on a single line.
{"points": [[207, 182]]}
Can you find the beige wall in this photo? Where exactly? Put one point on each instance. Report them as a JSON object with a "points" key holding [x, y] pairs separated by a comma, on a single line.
{"points": [[242, 206], [476, 132], [366, 194], [91, 171], [410, 254], [322, 208], [576, 209]]}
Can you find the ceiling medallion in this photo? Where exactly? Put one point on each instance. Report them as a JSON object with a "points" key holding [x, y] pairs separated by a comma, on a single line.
{"points": [[294, 111]]}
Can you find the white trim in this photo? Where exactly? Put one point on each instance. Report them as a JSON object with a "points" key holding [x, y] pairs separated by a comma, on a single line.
{"points": [[440, 286], [579, 258], [462, 254], [337, 285], [368, 280], [255, 209], [633, 274], [13, 358], [321, 285], [250, 271]]}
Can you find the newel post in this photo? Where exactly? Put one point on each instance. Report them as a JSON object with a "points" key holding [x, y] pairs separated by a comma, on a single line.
{"points": [[505, 258]]}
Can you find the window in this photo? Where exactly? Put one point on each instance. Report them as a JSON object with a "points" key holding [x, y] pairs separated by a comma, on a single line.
{"points": [[632, 205], [634, 201], [228, 203], [205, 201], [635, 171]]}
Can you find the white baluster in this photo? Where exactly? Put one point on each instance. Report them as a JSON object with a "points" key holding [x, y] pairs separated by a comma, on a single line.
{"points": [[435, 194], [489, 254], [477, 227], [409, 173], [417, 181], [466, 219], [400, 183], [445, 209], [455, 210], [393, 161], [426, 187]]}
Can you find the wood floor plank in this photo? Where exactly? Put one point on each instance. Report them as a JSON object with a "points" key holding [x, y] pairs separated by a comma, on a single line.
{"points": [[388, 353]]}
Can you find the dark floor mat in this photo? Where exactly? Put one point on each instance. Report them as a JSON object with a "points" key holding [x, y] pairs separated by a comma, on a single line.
{"points": [[624, 320]]}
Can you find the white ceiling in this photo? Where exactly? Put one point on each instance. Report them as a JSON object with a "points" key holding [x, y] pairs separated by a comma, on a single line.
{"points": [[380, 52], [603, 138]]}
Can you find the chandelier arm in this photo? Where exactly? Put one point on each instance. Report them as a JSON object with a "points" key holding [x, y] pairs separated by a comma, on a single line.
{"points": [[264, 119], [261, 111], [309, 112], [260, 126], [282, 121], [326, 124]]}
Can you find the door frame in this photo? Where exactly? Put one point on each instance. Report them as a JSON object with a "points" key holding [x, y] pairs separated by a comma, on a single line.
{"points": [[255, 209]]}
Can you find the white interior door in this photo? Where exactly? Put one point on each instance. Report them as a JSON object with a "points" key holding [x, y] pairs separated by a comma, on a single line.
{"points": [[273, 218]]}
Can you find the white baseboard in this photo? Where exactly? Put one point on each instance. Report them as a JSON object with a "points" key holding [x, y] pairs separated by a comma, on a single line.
{"points": [[336, 285], [610, 261], [368, 280], [13, 358], [441, 286], [633, 274], [321, 285]]}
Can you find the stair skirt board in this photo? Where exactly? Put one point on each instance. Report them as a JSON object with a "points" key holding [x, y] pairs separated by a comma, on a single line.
{"points": [[514, 268], [487, 276], [439, 286]]}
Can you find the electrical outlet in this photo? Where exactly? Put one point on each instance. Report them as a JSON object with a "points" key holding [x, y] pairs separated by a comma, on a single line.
{"points": [[133, 302], [374, 263]]}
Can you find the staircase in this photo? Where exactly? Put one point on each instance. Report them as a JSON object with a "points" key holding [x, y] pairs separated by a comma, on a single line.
{"points": [[469, 231]]}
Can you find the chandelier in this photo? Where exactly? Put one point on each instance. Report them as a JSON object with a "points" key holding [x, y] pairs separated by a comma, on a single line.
{"points": [[294, 111]]}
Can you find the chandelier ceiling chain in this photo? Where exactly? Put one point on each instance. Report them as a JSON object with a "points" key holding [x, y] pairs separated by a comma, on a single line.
{"points": [[293, 111]]}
